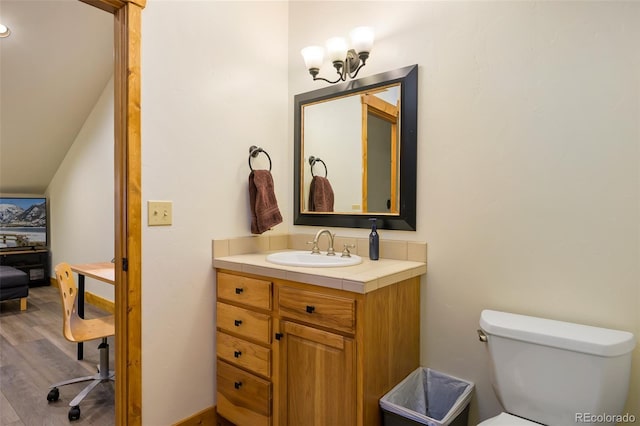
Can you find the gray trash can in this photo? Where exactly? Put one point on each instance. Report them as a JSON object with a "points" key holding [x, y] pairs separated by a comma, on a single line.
{"points": [[427, 397]]}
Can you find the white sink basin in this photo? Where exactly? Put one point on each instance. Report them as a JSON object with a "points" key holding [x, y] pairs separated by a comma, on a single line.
{"points": [[305, 258]]}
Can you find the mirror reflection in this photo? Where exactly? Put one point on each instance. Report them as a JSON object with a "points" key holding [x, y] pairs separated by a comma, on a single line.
{"points": [[357, 137], [355, 152]]}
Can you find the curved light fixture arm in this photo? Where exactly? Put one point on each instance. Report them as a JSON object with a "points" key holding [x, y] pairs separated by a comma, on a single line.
{"points": [[315, 77], [355, 62], [347, 68]]}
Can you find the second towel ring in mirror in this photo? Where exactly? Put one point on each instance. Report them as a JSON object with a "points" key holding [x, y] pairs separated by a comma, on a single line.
{"points": [[313, 160], [253, 153]]}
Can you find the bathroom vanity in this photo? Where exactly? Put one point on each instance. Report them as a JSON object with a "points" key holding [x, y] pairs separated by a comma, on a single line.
{"points": [[313, 346]]}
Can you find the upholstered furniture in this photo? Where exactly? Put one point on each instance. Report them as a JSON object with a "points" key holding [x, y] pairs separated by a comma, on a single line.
{"points": [[14, 284], [34, 262]]}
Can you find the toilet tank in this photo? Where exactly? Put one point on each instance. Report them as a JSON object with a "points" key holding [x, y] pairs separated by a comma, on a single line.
{"points": [[557, 373]]}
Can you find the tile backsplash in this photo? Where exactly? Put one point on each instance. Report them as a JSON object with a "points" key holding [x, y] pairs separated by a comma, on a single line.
{"points": [[389, 249]]}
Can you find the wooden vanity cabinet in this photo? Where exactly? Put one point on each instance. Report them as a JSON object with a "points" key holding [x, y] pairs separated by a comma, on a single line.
{"points": [[317, 378], [329, 357], [244, 332]]}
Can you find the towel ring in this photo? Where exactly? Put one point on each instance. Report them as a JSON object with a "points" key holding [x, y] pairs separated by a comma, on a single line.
{"points": [[312, 162], [253, 153]]}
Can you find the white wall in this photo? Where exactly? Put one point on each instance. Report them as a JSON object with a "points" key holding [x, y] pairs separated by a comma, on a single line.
{"points": [[528, 172], [81, 200], [339, 146], [214, 82], [528, 161]]}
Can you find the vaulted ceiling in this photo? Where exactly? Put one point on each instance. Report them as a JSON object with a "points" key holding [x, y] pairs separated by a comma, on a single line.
{"points": [[53, 68]]}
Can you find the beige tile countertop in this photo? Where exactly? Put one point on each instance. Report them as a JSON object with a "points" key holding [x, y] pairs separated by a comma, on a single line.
{"points": [[362, 278]]}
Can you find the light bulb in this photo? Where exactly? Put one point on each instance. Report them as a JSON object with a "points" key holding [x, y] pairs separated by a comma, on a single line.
{"points": [[337, 49], [362, 39], [313, 56]]}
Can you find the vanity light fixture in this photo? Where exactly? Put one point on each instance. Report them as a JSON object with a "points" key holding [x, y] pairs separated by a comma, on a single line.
{"points": [[347, 61], [4, 31]]}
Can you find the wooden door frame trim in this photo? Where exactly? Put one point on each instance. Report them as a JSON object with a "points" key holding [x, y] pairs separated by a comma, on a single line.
{"points": [[389, 113], [128, 207]]}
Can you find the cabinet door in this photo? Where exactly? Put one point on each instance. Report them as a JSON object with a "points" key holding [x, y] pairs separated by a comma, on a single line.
{"points": [[317, 380]]}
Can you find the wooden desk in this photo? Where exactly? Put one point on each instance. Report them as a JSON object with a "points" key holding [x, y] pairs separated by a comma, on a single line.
{"points": [[102, 271]]}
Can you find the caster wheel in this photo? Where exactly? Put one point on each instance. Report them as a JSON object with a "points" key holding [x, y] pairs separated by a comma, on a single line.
{"points": [[74, 413], [53, 395]]}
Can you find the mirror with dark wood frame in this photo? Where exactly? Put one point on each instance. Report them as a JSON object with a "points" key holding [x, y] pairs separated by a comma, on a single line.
{"points": [[355, 147]]}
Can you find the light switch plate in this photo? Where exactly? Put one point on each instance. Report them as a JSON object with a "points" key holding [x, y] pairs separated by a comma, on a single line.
{"points": [[160, 213]]}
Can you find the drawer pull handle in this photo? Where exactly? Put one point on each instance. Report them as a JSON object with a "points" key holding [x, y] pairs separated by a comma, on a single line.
{"points": [[279, 336], [237, 385], [237, 354], [237, 323], [310, 309], [239, 290]]}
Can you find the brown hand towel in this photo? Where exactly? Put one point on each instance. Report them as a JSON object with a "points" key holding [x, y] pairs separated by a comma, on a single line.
{"points": [[320, 195], [262, 198]]}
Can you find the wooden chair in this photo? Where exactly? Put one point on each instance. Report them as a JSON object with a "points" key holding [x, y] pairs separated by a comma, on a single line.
{"points": [[76, 329]]}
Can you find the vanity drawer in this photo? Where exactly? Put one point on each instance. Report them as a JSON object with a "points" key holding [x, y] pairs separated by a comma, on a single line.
{"points": [[334, 312], [244, 322], [245, 354], [248, 291], [242, 397]]}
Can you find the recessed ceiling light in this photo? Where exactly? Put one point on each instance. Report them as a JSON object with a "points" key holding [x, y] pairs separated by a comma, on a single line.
{"points": [[4, 31]]}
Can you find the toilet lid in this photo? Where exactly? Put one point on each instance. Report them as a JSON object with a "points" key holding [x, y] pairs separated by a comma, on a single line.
{"points": [[505, 419]]}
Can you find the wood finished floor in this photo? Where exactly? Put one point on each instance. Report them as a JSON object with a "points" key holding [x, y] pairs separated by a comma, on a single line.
{"points": [[34, 355]]}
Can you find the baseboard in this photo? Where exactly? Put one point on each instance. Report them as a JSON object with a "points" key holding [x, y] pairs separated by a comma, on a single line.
{"points": [[93, 299], [206, 417], [100, 302]]}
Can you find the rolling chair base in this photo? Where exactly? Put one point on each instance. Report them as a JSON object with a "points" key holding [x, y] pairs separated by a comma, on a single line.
{"points": [[103, 375]]}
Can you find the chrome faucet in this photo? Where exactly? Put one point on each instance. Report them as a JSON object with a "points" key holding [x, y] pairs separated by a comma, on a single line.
{"points": [[316, 250]]}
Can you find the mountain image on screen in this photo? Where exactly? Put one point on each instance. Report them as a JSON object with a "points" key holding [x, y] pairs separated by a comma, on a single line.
{"points": [[12, 215], [23, 223]]}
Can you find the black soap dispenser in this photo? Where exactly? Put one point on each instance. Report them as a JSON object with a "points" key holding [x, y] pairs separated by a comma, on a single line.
{"points": [[374, 242]]}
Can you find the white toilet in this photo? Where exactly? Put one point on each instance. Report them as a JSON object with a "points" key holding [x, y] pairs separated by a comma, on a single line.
{"points": [[556, 373]]}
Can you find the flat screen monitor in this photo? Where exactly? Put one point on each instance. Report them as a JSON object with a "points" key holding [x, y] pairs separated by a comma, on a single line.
{"points": [[23, 223]]}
